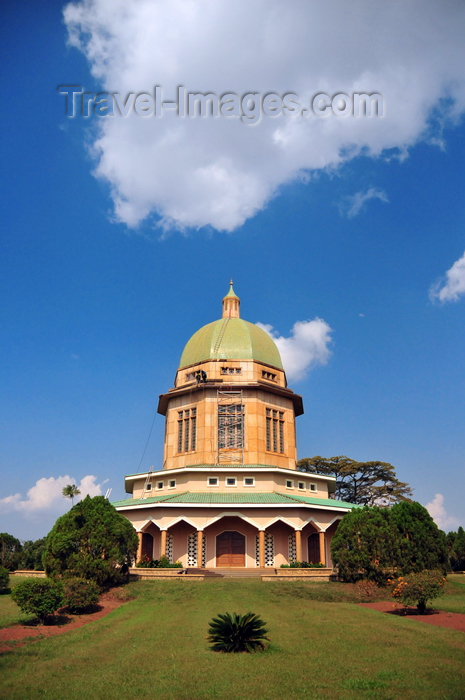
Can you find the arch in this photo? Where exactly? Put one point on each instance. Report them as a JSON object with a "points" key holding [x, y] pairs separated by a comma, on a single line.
{"points": [[338, 517], [181, 518], [146, 523], [228, 514], [280, 518], [315, 523]]}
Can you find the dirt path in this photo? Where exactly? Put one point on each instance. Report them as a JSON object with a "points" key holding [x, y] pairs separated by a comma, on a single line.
{"points": [[453, 621], [66, 623]]}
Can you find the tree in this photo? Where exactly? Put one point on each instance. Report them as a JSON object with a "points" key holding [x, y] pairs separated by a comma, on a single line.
{"points": [[422, 544], [10, 551], [374, 542], [365, 545], [31, 554], [4, 579], [71, 491], [365, 483], [91, 541], [456, 544]]}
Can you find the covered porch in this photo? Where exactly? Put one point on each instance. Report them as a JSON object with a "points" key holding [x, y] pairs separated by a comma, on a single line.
{"points": [[232, 540]]}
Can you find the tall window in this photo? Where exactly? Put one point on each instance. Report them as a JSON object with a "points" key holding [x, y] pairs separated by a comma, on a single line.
{"points": [[274, 430], [187, 430], [231, 426]]}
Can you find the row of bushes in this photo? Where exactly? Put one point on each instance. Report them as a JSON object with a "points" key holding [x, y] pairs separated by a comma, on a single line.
{"points": [[302, 565], [162, 563], [43, 597]]}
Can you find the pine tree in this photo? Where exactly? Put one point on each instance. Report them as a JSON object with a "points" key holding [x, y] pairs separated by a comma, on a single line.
{"points": [[422, 544], [91, 541]]}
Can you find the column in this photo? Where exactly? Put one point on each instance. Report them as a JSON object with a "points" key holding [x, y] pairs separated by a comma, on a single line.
{"points": [[298, 545], [261, 548], [163, 544], [139, 547], [321, 535], [199, 548]]}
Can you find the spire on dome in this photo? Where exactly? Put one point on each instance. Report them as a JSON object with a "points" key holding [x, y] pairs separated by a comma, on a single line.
{"points": [[231, 303]]}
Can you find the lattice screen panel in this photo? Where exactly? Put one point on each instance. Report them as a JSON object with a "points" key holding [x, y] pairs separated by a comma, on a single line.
{"points": [[292, 548]]}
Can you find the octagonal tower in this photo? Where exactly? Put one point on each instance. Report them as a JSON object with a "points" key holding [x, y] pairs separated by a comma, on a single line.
{"points": [[230, 403]]}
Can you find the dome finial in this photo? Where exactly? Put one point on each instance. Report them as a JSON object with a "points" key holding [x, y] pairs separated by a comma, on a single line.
{"points": [[231, 303]]}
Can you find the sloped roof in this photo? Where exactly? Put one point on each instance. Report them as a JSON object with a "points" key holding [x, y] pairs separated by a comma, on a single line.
{"points": [[199, 498]]}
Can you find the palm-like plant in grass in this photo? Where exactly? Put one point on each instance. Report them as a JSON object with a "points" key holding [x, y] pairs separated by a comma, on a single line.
{"points": [[235, 633]]}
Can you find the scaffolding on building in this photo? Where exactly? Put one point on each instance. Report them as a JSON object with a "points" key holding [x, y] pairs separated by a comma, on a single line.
{"points": [[230, 427], [146, 491]]}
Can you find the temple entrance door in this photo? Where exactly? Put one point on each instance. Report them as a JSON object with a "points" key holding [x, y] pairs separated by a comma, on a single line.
{"points": [[147, 545], [230, 549], [314, 548]]}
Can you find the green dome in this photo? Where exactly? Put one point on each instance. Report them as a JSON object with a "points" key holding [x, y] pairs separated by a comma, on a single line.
{"points": [[231, 339]]}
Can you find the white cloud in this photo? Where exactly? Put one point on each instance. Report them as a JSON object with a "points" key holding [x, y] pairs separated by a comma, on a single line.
{"points": [[454, 286], [193, 172], [352, 205], [46, 494], [306, 347], [438, 513]]}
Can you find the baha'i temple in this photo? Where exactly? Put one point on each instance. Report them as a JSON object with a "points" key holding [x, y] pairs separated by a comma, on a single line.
{"points": [[229, 493]]}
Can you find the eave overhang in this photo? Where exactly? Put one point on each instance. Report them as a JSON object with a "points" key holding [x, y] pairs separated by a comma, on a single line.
{"points": [[226, 469], [339, 507], [190, 389]]}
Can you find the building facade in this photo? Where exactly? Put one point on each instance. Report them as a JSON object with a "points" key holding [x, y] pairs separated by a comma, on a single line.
{"points": [[229, 493]]}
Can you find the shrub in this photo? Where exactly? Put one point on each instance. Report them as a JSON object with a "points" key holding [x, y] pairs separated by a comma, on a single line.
{"points": [[236, 633], [302, 565], [163, 563], [366, 590], [92, 541], [39, 597], [417, 589], [371, 542], [80, 595], [4, 578]]}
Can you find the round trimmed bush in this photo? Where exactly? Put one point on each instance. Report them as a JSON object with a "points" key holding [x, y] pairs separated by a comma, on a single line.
{"points": [[41, 597], [80, 595]]}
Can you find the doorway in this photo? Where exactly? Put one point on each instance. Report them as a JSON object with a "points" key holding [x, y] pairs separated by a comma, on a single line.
{"points": [[230, 549], [314, 548]]}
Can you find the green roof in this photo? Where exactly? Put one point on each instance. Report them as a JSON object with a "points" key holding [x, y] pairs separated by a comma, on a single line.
{"points": [[231, 339], [271, 498], [231, 292]]}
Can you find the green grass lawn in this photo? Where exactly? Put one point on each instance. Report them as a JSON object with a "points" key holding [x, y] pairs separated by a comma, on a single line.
{"points": [[454, 598], [154, 648], [9, 611]]}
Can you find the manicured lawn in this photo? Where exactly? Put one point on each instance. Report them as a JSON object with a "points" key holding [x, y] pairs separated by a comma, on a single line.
{"points": [[154, 648], [9, 611], [454, 598]]}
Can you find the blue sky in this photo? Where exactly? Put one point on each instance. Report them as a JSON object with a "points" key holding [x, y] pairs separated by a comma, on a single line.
{"points": [[116, 247]]}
